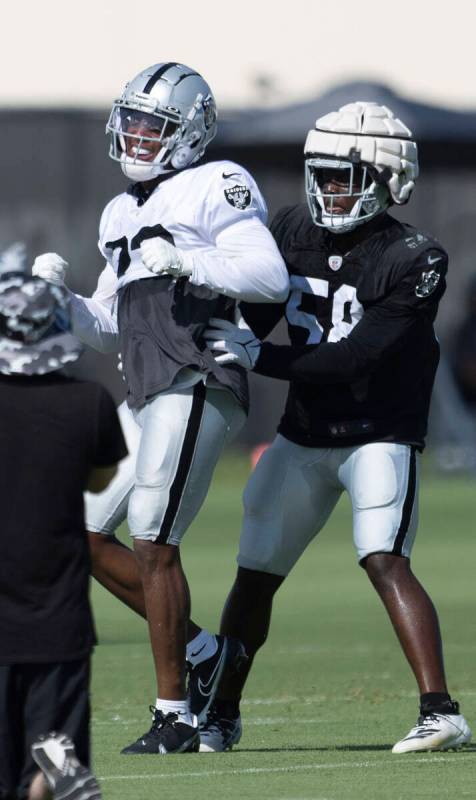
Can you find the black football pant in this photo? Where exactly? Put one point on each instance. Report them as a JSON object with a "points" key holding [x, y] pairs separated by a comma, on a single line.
{"points": [[36, 699]]}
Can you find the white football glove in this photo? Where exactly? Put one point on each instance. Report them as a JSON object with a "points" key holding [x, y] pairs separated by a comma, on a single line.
{"points": [[162, 258], [237, 345], [51, 267]]}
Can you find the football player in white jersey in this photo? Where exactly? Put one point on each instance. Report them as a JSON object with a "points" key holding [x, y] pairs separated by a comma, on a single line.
{"points": [[182, 244]]}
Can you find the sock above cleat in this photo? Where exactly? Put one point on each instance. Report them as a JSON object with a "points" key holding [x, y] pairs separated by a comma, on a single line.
{"points": [[201, 648], [437, 703], [179, 707]]}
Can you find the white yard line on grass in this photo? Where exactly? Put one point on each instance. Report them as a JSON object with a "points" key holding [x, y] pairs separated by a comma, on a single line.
{"points": [[272, 701], [296, 768], [360, 649], [258, 721], [259, 701]]}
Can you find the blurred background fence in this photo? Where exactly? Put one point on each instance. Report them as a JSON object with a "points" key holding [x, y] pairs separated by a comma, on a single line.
{"points": [[56, 179]]}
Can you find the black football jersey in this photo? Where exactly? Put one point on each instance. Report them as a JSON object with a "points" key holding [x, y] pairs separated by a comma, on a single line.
{"points": [[161, 325], [360, 312]]}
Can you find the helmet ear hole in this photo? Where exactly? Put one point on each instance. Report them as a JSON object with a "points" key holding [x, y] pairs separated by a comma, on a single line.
{"points": [[182, 157], [193, 140], [209, 113]]}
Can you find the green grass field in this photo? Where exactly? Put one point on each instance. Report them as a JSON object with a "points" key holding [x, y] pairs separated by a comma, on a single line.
{"points": [[330, 692]]}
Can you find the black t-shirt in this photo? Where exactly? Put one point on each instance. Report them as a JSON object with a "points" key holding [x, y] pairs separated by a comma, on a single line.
{"points": [[53, 431], [360, 314]]}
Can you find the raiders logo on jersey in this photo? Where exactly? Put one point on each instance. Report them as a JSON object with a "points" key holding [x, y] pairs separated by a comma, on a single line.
{"points": [[238, 196], [427, 283]]}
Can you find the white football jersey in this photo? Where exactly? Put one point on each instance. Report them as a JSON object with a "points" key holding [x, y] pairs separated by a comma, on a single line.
{"points": [[217, 214], [189, 209]]}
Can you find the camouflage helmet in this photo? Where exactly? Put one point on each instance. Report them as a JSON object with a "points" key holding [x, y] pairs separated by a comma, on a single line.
{"points": [[35, 326]]}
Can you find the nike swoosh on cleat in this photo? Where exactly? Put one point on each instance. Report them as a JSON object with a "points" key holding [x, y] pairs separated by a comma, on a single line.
{"points": [[206, 688], [198, 651], [230, 175], [434, 260]]}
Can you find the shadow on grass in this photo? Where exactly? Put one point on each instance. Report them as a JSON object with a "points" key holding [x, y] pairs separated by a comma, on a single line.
{"points": [[349, 748], [304, 749]]}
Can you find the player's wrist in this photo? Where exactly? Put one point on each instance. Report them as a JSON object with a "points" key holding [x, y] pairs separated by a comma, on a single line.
{"points": [[186, 263]]}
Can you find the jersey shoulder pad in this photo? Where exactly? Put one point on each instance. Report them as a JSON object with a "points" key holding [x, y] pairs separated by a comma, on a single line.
{"points": [[226, 170], [413, 250], [222, 174], [239, 188], [291, 222], [411, 244], [417, 273], [227, 193]]}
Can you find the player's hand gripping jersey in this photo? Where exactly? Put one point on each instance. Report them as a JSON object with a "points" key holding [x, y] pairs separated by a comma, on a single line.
{"points": [[370, 310], [215, 215]]}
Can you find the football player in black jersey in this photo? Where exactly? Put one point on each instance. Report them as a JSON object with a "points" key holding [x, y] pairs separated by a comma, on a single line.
{"points": [[364, 294]]}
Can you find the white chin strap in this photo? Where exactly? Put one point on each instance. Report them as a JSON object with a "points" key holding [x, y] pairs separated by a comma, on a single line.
{"points": [[372, 203], [340, 223], [139, 172]]}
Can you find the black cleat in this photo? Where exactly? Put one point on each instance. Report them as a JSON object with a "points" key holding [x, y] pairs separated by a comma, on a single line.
{"points": [[167, 735], [205, 677], [67, 778]]}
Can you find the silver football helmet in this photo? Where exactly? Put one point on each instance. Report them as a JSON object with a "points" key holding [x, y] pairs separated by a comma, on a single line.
{"points": [[363, 152], [163, 121]]}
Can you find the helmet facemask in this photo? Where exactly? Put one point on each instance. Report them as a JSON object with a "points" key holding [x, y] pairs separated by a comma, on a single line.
{"points": [[163, 122], [142, 142], [331, 182]]}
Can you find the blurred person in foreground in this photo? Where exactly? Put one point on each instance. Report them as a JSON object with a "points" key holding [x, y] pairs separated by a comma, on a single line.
{"points": [[463, 351], [182, 245], [58, 437], [364, 294]]}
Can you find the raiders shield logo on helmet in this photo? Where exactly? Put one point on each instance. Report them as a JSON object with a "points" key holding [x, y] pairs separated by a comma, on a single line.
{"points": [[427, 283], [238, 196]]}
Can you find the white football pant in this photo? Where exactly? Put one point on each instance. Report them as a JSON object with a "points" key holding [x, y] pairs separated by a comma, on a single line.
{"points": [[174, 443], [294, 489]]}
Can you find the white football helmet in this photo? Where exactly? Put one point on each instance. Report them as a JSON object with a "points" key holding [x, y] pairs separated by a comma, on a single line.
{"points": [[163, 121], [371, 155]]}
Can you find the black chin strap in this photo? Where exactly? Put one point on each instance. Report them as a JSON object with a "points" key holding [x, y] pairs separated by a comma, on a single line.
{"points": [[384, 176]]}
